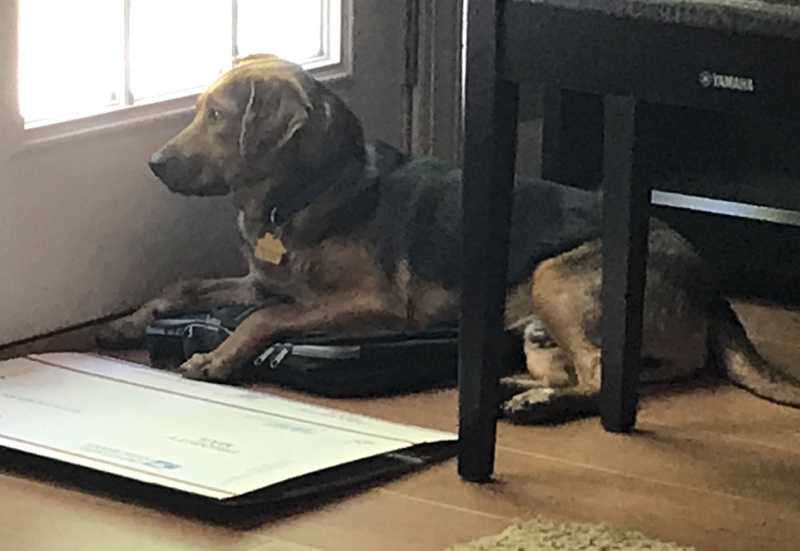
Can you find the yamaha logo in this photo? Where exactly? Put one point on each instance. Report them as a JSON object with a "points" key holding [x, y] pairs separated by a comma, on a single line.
{"points": [[726, 82]]}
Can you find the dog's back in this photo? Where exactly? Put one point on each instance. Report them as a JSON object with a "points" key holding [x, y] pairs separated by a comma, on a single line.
{"points": [[419, 218]]}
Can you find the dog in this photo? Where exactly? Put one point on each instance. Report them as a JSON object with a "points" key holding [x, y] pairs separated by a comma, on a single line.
{"points": [[340, 235]]}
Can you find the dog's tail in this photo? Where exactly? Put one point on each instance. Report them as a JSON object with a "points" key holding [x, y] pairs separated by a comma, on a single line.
{"points": [[744, 366]]}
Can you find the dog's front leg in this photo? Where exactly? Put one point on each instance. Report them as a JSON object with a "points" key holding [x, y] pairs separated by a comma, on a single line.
{"points": [[197, 294], [341, 312]]}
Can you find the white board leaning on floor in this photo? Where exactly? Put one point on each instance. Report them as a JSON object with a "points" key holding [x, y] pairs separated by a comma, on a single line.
{"points": [[152, 426]]}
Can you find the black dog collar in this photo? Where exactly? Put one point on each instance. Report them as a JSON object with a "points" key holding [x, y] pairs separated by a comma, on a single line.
{"points": [[306, 185]]}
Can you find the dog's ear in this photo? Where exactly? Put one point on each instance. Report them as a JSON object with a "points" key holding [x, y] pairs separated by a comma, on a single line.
{"points": [[275, 111]]}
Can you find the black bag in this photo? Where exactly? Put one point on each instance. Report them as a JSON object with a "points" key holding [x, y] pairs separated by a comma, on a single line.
{"points": [[363, 364], [171, 341], [339, 366]]}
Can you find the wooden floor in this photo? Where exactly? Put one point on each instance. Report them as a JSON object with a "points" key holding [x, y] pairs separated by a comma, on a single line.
{"points": [[714, 468]]}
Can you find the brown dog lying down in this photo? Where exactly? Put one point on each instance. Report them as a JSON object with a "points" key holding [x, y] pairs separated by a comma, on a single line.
{"points": [[340, 235]]}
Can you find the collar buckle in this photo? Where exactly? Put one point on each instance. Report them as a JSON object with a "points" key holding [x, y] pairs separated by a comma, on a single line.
{"points": [[273, 219]]}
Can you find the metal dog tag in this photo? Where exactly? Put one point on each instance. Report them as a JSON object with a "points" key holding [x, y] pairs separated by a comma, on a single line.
{"points": [[270, 249]]}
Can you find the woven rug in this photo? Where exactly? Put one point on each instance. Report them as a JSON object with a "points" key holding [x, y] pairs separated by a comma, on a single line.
{"points": [[544, 535]]}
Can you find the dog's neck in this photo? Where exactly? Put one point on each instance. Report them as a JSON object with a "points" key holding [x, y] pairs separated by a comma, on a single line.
{"points": [[350, 189], [301, 193], [306, 184]]}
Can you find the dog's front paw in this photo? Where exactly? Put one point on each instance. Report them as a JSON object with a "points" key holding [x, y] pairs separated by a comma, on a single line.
{"points": [[124, 333], [547, 406], [208, 367]]}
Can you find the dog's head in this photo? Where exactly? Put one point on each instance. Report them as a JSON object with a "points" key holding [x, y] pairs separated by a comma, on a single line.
{"points": [[260, 118]]}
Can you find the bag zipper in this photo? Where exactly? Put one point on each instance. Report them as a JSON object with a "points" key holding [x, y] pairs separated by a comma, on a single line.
{"points": [[278, 352], [190, 329]]}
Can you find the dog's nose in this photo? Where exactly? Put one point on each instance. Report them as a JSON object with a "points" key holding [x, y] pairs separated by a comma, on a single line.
{"points": [[165, 167]]}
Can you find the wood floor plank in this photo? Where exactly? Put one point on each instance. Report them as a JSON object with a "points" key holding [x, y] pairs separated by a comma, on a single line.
{"points": [[672, 454], [727, 412], [35, 516], [387, 521], [530, 485]]}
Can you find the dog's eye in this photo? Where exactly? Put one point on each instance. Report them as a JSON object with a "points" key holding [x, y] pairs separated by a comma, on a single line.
{"points": [[213, 114]]}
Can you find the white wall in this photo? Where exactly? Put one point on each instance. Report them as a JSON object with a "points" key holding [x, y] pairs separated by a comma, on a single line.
{"points": [[86, 230]]}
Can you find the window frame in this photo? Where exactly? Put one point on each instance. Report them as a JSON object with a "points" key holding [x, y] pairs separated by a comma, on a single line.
{"points": [[336, 66]]}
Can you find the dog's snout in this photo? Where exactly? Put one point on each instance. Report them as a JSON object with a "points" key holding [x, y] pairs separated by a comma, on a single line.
{"points": [[186, 175], [165, 167]]}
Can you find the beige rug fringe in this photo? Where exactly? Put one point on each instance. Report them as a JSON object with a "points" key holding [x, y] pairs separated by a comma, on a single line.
{"points": [[544, 535]]}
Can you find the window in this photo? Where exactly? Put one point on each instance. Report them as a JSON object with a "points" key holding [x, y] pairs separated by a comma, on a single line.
{"points": [[82, 57]]}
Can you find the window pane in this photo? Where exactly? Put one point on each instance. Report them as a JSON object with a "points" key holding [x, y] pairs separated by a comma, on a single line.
{"points": [[71, 56], [178, 45], [291, 29]]}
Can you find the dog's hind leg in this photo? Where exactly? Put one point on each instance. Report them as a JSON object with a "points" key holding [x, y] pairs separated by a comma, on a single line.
{"points": [[545, 363], [195, 295], [567, 302], [564, 296]]}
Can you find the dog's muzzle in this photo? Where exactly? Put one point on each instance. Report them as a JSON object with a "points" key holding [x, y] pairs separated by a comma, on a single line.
{"points": [[185, 176], [168, 168]]}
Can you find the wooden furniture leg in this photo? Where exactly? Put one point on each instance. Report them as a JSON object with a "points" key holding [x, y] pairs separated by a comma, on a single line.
{"points": [[490, 132], [626, 202]]}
